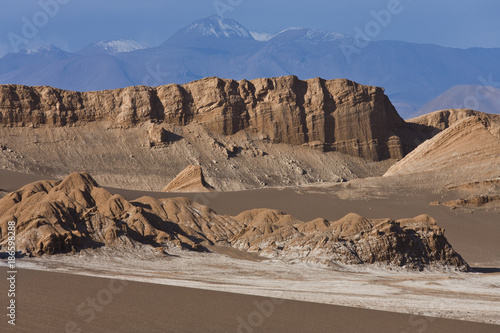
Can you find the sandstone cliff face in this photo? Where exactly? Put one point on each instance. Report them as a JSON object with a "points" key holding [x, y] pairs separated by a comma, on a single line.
{"points": [[343, 115], [62, 217]]}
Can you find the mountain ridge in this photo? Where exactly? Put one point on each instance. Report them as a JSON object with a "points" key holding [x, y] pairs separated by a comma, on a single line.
{"points": [[306, 53], [111, 47], [479, 97]]}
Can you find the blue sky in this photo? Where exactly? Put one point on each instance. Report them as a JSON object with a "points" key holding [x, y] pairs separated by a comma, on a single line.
{"points": [[76, 23]]}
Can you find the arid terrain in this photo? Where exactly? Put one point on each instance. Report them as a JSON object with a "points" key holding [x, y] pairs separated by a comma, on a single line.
{"points": [[314, 191]]}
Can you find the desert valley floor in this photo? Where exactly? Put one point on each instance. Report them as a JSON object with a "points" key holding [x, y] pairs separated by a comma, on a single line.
{"points": [[474, 296]]}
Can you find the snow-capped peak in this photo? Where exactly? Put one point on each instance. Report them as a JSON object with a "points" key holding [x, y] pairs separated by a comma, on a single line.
{"points": [[261, 36], [291, 29], [325, 36], [309, 35], [218, 27], [300, 33], [118, 46], [43, 49], [45, 52], [265, 36]]}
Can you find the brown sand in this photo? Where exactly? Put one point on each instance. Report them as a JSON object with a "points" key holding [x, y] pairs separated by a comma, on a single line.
{"points": [[12, 181], [48, 302]]}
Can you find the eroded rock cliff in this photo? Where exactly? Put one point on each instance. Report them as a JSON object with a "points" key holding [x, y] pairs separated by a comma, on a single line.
{"points": [[340, 115]]}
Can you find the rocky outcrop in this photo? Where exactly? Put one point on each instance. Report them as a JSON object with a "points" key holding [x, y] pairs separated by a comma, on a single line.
{"points": [[489, 185], [190, 179], [441, 120], [467, 149], [63, 217], [413, 243], [343, 115], [472, 202]]}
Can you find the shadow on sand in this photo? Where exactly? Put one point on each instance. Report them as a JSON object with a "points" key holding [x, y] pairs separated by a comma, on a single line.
{"points": [[5, 255], [485, 270]]}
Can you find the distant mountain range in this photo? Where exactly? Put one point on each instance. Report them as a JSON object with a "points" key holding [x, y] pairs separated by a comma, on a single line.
{"points": [[412, 74], [112, 47], [477, 97]]}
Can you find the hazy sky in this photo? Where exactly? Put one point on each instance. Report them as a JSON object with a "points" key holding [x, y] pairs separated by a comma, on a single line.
{"points": [[76, 23]]}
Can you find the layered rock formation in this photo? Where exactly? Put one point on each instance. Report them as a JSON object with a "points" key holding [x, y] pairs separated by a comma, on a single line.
{"points": [[190, 179], [340, 114], [74, 214], [147, 156], [467, 148], [441, 120]]}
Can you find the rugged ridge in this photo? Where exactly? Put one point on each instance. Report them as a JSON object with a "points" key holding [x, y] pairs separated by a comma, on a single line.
{"points": [[74, 214], [340, 115], [443, 119]]}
